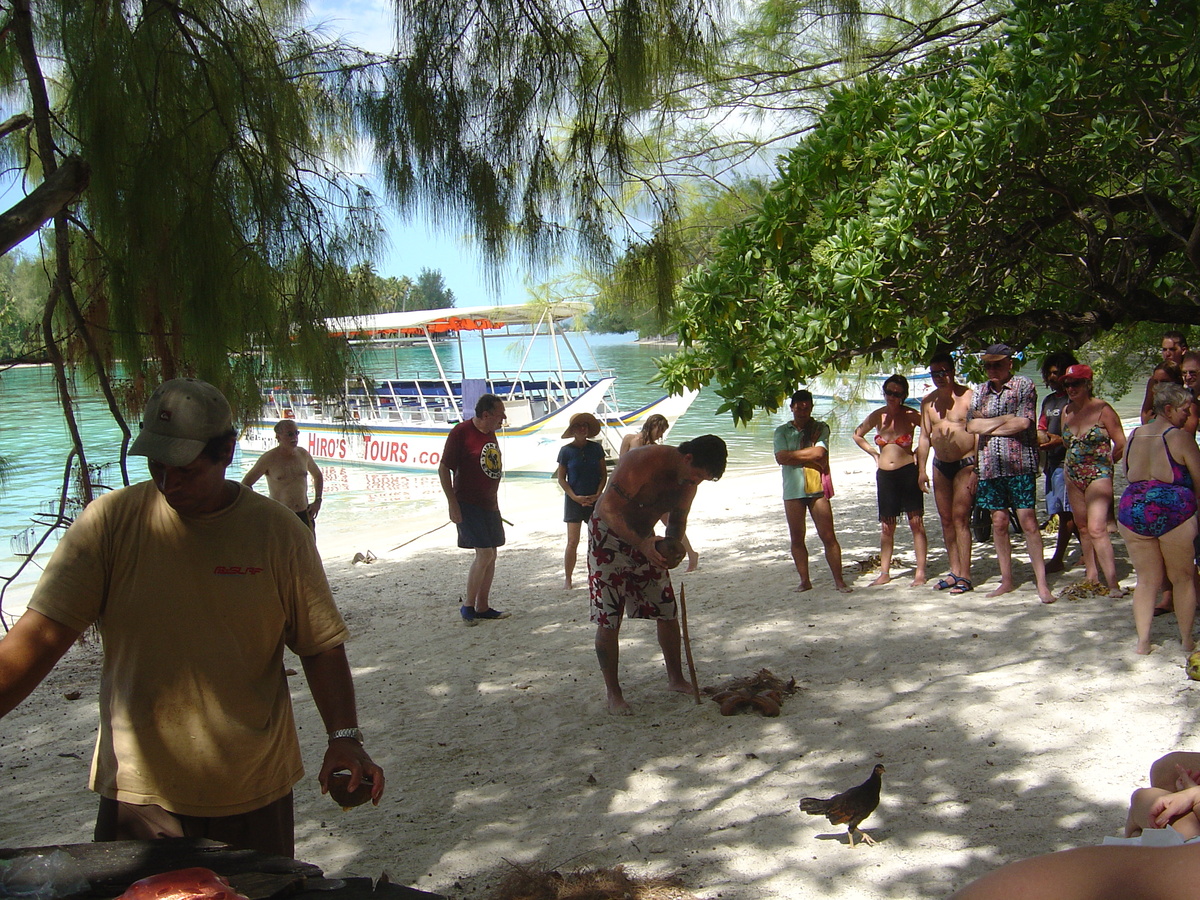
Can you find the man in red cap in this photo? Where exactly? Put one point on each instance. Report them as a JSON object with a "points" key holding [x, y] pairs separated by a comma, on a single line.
{"points": [[1004, 416], [196, 583]]}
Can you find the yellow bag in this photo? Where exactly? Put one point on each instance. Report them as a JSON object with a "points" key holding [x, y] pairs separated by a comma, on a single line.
{"points": [[812, 481]]}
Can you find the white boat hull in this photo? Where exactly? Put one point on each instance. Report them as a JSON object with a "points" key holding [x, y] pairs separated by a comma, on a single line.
{"points": [[531, 448]]}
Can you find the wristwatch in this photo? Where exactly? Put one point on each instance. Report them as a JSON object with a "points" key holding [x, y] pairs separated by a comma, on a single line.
{"points": [[355, 734]]}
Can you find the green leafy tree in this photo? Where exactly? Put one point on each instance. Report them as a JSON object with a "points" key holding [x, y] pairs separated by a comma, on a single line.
{"points": [[430, 291], [1040, 187]]}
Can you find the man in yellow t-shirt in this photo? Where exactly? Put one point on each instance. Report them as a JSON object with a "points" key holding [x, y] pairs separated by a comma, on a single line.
{"points": [[196, 584]]}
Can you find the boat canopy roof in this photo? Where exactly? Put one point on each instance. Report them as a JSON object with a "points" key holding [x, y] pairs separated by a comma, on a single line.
{"points": [[440, 321]]}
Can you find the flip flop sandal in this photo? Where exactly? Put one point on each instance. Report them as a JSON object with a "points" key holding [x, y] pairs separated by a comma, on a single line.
{"points": [[961, 586], [948, 582]]}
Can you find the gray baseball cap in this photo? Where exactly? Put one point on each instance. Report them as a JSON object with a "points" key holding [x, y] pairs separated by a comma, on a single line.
{"points": [[182, 415]]}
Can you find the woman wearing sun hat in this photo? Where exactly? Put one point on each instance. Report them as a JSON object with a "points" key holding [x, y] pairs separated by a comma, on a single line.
{"points": [[582, 474]]}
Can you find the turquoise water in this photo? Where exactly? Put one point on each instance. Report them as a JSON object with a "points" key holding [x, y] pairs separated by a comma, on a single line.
{"points": [[34, 440]]}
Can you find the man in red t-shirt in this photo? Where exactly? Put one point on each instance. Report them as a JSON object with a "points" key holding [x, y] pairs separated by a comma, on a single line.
{"points": [[470, 473]]}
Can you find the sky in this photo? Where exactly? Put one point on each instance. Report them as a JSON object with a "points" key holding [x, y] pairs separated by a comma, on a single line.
{"points": [[419, 243]]}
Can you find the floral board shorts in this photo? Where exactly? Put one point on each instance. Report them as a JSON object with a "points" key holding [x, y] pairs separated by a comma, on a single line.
{"points": [[622, 581]]}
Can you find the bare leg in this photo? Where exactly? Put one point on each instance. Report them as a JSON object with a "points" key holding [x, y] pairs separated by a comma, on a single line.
{"points": [[573, 529], [794, 512], [1099, 499], [1147, 560], [916, 522], [1033, 542], [1087, 545], [1139, 815], [669, 641], [943, 498], [1003, 547], [608, 654], [887, 540], [1179, 557], [1091, 873], [822, 516], [964, 502], [479, 578], [1066, 527], [1165, 771]]}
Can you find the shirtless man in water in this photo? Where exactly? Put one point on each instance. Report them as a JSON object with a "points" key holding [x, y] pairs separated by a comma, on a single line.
{"points": [[287, 468], [627, 573], [944, 430]]}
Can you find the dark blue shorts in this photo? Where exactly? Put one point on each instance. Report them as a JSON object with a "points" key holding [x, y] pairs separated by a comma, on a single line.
{"points": [[480, 528], [576, 512]]}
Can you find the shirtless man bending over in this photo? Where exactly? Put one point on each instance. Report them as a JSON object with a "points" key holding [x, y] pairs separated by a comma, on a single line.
{"points": [[287, 468], [944, 429], [627, 573]]}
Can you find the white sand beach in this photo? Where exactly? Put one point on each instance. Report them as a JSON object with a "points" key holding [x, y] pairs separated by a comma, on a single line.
{"points": [[1008, 728]]}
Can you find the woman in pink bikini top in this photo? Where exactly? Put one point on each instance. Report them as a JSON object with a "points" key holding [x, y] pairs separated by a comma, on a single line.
{"points": [[901, 482]]}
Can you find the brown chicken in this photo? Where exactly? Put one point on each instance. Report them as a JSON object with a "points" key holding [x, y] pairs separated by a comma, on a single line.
{"points": [[850, 807]]}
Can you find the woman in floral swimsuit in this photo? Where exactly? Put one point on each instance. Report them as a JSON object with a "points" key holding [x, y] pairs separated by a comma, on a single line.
{"points": [[1094, 441]]}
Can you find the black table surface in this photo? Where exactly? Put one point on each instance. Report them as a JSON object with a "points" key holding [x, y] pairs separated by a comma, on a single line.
{"points": [[110, 868]]}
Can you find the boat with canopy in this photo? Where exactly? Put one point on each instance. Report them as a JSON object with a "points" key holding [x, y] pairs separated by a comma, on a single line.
{"points": [[401, 422]]}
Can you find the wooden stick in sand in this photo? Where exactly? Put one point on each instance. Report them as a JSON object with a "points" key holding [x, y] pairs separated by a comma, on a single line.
{"points": [[687, 645]]}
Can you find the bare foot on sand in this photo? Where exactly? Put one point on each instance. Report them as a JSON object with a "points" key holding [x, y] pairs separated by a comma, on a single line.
{"points": [[884, 578], [1003, 587], [1189, 645], [683, 687], [845, 589], [1143, 647], [617, 706], [1117, 592], [693, 562], [567, 584], [802, 587], [919, 580], [1046, 595]]}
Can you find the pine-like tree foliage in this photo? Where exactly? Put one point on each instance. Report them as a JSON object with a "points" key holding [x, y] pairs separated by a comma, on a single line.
{"points": [[216, 224], [522, 119]]}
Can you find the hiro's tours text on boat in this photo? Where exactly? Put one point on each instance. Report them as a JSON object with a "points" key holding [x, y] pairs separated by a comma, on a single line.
{"points": [[400, 418]]}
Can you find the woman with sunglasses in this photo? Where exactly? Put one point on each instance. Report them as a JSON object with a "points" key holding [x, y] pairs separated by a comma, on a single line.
{"points": [[900, 476], [1094, 441]]}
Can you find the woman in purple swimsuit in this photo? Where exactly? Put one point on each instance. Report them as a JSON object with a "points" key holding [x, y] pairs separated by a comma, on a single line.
{"points": [[1157, 513]]}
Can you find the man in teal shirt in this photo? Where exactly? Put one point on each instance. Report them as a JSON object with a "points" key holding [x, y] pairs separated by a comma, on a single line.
{"points": [[802, 449]]}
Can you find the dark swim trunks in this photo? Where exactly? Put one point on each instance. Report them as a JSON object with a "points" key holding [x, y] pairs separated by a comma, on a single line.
{"points": [[951, 469]]}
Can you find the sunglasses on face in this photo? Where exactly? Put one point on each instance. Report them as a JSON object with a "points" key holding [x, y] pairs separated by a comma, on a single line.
{"points": [[896, 394], [938, 373]]}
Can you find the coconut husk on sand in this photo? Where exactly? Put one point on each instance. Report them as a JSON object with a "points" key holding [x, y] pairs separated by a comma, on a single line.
{"points": [[609, 883]]}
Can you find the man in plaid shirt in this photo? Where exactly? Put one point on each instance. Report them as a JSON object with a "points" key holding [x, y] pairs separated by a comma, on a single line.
{"points": [[1004, 415]]}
